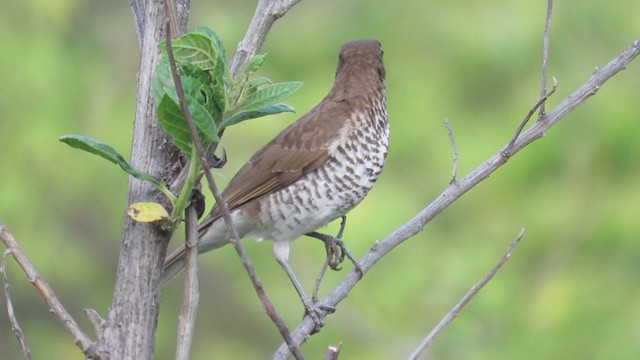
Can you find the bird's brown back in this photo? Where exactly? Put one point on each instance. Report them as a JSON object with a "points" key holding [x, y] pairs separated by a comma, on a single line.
{"points": [[304, 146]]}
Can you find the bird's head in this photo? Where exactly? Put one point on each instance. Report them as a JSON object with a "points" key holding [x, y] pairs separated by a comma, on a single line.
{"points": [[360, 69]]}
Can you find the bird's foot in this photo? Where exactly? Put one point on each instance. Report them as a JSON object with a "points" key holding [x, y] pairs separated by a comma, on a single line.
{"points": [[315, 311], [337, 251]]}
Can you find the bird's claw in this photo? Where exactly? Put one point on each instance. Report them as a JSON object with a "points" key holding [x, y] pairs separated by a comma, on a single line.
{"points": [[314, 311], [335, 254]]}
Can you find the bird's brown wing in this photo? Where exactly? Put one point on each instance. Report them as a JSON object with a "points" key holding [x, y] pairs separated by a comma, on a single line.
{"points": [[299, 149]]}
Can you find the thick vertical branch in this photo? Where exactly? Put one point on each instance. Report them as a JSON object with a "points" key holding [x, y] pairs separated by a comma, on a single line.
{"points": [[189, 308], [130, 326]]}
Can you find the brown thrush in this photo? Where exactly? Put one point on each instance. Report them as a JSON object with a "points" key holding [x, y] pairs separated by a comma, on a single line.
{"points": [[314, 171]]}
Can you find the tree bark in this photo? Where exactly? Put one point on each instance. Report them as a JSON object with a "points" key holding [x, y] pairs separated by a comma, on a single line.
{"points": [[130, 326]]}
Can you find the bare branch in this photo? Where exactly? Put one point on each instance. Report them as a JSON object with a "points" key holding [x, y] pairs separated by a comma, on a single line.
{"points": [[96, 321], [451, 315], [333, 352], [172, 14], [189, 309], [55, 306], [267, 12], [452, 193], [454, 150], [226, 214], [508, 152], [545, 57], [137, 9], [15, 326]]}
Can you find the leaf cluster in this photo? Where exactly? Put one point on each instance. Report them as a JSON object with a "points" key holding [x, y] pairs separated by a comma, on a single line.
{"points": [[214, 98]]}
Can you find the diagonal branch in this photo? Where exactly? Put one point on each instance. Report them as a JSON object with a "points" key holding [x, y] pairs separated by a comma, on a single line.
{"points": [[267, 12], [451, 315], [15, 326], [453, 192], [55, 305]]}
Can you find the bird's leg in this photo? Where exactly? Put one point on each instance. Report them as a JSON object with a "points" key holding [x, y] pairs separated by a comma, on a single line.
{"points": [[336, 248], [316, 287], [310, 307], [281, 254]]}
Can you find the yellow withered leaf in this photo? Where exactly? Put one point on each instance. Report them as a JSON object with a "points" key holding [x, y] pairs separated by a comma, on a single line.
{"points": [[147, 212]]}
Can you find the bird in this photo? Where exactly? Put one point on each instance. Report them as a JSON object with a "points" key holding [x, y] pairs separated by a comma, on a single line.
{"points": [[314, 171]]}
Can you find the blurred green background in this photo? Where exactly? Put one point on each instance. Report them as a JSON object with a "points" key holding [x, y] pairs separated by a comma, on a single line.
{"points": [[571, 290]]}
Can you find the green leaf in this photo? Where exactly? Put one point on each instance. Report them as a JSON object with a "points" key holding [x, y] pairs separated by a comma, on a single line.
{"points": [[253, 84], [256, 62], [259, 81], [252, 114], [269, 95], [204, 121], [219, 91], [172, 121], [203, 117], [193, 48], [215, 42], [105, 151], [193, 71]]}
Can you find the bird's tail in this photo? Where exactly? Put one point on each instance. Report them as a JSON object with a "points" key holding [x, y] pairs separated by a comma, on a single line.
{"points": [[173, 264]]}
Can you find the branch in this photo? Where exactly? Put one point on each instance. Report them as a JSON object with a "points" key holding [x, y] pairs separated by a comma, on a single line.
{"points": [[454, 150], [15, 326], [508, 152], [453, 192], [55, 306], [451, 315], [333, 352], [545, 57], [267, 12], [131, 322], [224, 209], [192, 295]]}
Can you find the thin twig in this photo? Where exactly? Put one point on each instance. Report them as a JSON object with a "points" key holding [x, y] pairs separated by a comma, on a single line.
{"points": [[451, 315], [226, 215], [452, 193], [55, 306], [172, 14], [15, 326], [454, 150], [509, 150], [96, 321], [189, 308], [137, 9], [545, 58]]}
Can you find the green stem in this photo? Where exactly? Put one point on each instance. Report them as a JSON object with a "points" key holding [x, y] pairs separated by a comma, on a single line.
{"points": [[185, 194], [165, 190]]}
